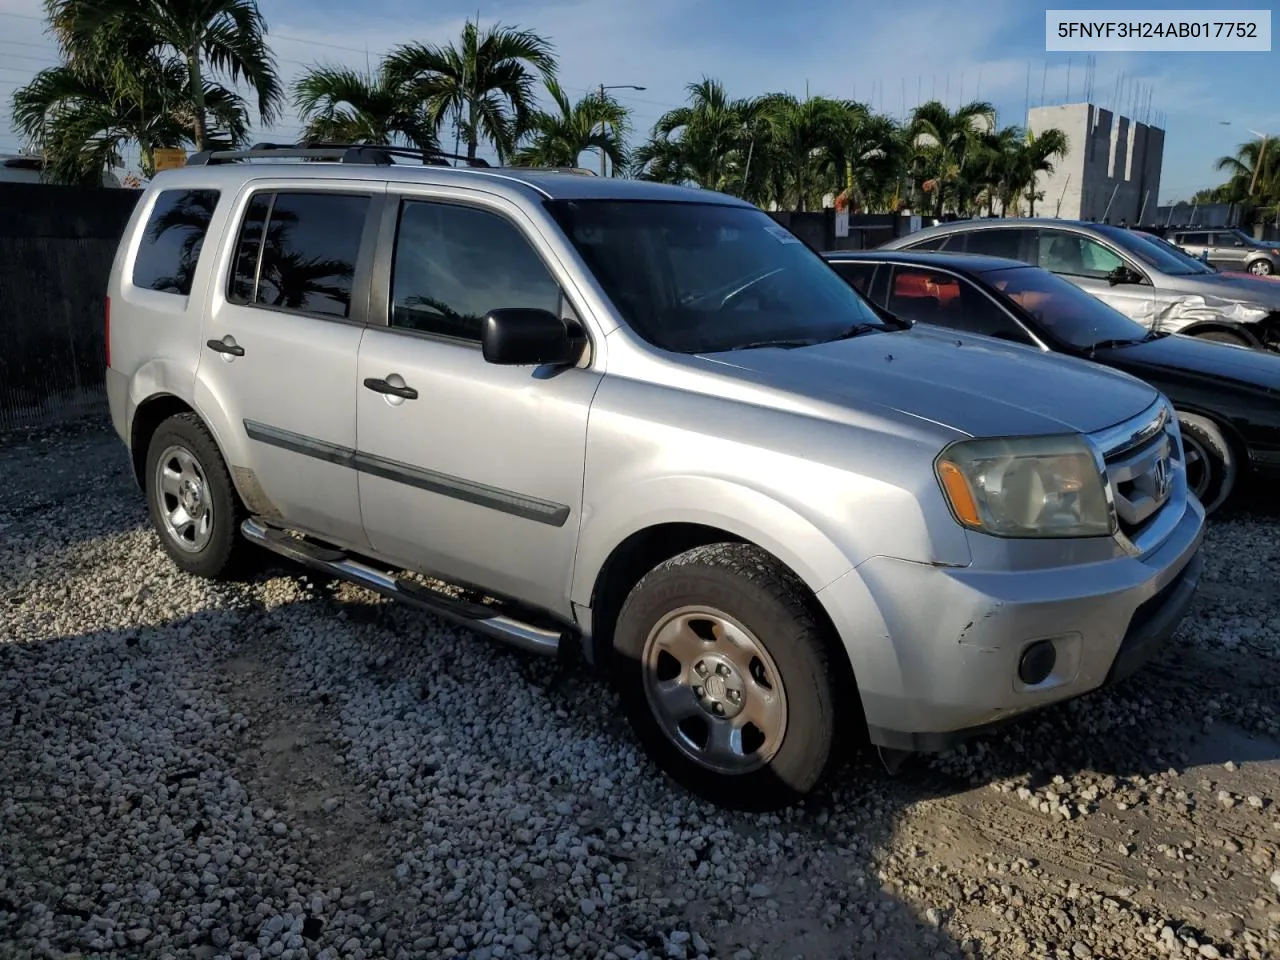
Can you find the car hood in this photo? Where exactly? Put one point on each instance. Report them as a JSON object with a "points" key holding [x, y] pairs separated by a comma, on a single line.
{"points": [[971, 384], [1246, 288], [1219, 362]]}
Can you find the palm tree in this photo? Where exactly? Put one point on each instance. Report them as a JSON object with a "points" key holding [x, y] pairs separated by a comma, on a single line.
{"points": [[805, 139], [81, 122], [486, 86], [943, 141], [1251, 169], [708, 143], [558, 139], [340, 105], [873, 153], [1036, 156], [209, 37]]}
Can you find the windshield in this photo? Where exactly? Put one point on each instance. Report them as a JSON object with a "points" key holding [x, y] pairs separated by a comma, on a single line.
{"points": [[706, 277], [1062, 309], [1191, 264], [1153, 255]]}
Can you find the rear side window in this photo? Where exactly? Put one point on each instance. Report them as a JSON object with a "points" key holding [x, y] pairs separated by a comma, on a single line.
{"points": [[171, 241], [933, 243], [996, 243], [297, 251]]}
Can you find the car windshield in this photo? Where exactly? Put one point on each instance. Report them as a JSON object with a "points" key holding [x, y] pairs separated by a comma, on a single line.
{"points": [[1153, 255], [707, 277], [1192, 264], [1065, 311]]}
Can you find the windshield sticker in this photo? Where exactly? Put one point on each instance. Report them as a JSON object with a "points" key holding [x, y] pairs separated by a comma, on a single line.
{"points": [[781, 235]]}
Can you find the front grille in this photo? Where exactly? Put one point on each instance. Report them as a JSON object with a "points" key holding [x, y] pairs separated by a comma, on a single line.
{"points": [[1142, 460]]}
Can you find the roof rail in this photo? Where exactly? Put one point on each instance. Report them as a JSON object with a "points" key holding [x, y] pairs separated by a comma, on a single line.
{"points": [[584, 171], [365, 153]]}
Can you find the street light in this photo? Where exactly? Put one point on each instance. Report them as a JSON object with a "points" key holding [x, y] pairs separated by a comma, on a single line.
{"points": [[1262, 155], [604, 129]]}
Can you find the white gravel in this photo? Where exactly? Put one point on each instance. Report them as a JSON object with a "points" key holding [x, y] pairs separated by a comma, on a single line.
{"points": [[288, 768]]}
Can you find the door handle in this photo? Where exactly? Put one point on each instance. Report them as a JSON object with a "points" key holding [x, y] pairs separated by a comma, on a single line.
{"points": [[234, 349], [378, 385]]}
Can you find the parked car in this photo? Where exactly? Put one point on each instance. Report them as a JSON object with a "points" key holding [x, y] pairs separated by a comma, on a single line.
{"points": [[1227, 398], [1230, 250], [647, 425], [1121, 267]]}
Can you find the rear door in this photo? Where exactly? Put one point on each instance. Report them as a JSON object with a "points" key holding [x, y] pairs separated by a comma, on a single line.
{"points": [[279, 347], [1196, 244], [477, 474]]}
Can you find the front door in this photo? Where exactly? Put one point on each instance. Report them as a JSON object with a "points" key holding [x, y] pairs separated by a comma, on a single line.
{"points": [[1227, 250], [1089, 264], [279, 348], [467, 469]]}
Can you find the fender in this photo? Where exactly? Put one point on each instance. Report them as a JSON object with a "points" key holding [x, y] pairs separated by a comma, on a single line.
{"points": [[775, 527]]}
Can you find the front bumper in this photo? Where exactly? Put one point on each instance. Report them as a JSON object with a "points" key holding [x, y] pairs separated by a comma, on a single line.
{"points": [[935, 650]]}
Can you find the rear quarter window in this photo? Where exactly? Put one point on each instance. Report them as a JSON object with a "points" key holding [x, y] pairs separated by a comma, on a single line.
{"points": [[169, 250]]}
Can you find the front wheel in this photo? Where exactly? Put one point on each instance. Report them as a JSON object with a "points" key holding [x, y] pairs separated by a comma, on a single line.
{"points": [[721, 663], [1261, 268], [1211, 462]]}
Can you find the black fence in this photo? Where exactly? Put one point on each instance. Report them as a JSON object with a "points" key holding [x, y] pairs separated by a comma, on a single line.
{"points": [[56, 248], [866, 231]]}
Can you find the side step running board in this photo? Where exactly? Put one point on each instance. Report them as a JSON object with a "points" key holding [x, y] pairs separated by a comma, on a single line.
{"points": [[478, 616]]}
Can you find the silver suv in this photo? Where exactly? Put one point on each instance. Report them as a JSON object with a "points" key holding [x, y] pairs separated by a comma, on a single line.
{"points": [[648, 425], [1146, 280], [1230, 250]]}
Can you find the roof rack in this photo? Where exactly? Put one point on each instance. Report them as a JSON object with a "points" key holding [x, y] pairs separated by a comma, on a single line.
{"points": [[584, 171], [366, 153]]}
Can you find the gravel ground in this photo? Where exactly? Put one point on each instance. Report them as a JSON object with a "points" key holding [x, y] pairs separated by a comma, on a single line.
{"points": [[291, 768]]}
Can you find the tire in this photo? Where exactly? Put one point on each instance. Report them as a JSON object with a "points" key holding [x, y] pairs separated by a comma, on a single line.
{"points": [[1261, 268], [713, 605], [1212, 465], [1225, 336], [211, 545]]}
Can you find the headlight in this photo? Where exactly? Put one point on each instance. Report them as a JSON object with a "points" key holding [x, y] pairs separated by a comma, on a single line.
{"points": [[1026, 487]]}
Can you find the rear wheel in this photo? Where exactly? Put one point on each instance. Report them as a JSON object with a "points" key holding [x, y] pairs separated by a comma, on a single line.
{"points": [[1211, 462], [721, 663], [190, 498]]}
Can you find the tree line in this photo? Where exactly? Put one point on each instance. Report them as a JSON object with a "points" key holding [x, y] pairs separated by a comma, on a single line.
{"points": [[153, 74]]}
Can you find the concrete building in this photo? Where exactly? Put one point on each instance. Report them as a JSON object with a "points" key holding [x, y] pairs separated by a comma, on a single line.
{"points": [[1111, 159]]}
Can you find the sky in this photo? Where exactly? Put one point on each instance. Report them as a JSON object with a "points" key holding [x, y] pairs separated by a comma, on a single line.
{"points": [[893, 55]]}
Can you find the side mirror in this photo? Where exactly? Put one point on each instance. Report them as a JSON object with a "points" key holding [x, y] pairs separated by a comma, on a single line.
{"points": [[526, 337], [1122, 274]]}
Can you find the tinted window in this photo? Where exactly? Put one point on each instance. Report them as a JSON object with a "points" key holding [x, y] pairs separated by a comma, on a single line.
{"points": [[927, 296], [306, 258], [859, 274], [170, 247], [1062, 309], [995, 243], [706, 277], [1076, 255], [933, 243], [1194, 239], [454, 264]]}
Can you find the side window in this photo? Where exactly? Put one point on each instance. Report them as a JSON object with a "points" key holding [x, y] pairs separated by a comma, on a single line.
{"points": [[933, 243], [1075, 255], [858, 274], [171, 240], [453, 264], [941, 299], [297, 251], [996, 243]]}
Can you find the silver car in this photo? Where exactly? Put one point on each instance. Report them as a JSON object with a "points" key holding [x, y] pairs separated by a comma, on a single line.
{"points": [[1143, 279], [1230, 250], [647, 426]]}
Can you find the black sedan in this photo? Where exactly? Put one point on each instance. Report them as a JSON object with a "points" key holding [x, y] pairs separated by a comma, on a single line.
{"points": [[1227, 397]]}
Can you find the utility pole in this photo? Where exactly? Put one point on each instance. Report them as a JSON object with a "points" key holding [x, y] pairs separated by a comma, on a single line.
{"points": [[1262, 155], [604, 126]]}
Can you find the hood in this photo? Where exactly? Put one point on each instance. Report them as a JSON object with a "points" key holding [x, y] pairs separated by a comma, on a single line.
{"points": [[1220, 363], [1233, 286], [975, 385]]}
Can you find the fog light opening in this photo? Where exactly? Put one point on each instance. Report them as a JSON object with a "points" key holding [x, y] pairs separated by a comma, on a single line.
{"points": [[1037, 662]]}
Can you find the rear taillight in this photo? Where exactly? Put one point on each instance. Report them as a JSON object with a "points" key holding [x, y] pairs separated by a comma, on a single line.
{"points": [[106, 329]]}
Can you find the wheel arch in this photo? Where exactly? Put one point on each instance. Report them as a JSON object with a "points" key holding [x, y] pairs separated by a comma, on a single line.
{"points": [[1200, 328]]}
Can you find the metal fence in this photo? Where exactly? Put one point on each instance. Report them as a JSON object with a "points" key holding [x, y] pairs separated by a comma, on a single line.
{"points": [[56, 248]]}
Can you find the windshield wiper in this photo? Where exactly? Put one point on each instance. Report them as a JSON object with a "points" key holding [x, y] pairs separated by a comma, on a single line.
{"points": [[1116, 342], [784, 344], [858, 329]]}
